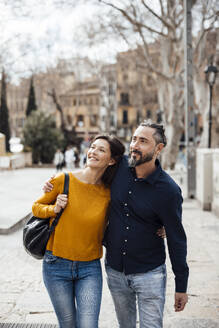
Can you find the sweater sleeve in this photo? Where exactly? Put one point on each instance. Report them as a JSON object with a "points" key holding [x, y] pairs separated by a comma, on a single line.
{"points": [[171, 215], [44, 206]]}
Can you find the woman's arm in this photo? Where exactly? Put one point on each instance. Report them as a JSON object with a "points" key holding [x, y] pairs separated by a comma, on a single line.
{"points": [[45, 206]]}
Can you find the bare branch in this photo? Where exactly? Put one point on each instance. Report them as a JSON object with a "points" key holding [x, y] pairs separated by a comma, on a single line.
{"points": [[202, 33], [162, 8], [147, 58], [132, 21], [157, 16]]}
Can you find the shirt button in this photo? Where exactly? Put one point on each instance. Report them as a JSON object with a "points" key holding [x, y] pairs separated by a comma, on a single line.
{"points": [[127, 228], [125, 204], [127, 214], [124, 253], [130, 192], [136, 180], [125, 240]]}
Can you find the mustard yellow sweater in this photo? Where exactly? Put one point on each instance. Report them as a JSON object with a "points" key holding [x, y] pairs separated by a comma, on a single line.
{"points": [[79, 233]]}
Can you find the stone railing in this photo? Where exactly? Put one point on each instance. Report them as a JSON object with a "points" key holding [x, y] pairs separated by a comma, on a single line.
{"points": [[16, 161]]}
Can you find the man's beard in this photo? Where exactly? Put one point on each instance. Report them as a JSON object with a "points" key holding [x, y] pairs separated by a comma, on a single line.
{"points": [[133, 161]]}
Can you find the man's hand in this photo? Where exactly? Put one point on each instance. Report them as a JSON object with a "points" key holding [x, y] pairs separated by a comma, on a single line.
{"points": [[161, 232], [180, 301], [48, 186]]}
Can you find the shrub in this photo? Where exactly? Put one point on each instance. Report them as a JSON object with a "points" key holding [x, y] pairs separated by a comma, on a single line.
{"points": [[40, 133]]}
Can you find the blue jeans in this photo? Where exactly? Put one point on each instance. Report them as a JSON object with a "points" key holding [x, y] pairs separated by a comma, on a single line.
{"points": [[149, 291], [75, 289]]}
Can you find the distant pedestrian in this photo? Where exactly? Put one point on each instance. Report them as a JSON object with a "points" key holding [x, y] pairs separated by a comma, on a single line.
{"points": [[58, 160], [70, 158]]}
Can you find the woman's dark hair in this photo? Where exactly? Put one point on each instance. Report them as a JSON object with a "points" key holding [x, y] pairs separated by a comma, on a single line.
{"points": [[117, 150]]}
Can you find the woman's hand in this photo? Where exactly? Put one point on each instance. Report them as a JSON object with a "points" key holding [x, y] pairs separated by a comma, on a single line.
{"points": [[61, 202], [161, 232]]}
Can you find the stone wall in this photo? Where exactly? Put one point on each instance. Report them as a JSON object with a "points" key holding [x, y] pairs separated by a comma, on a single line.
{"points": [[215, 201], [16, 161]]}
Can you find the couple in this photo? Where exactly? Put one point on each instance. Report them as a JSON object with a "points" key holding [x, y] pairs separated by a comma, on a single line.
{"points": [[142, 199]]}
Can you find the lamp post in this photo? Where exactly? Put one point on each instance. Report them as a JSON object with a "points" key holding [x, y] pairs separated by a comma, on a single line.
{"points": [[210, 73]]}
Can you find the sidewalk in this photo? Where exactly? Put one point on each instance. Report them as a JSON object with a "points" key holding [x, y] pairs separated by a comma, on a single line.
{"points": [[18, 190], [23, 297]]}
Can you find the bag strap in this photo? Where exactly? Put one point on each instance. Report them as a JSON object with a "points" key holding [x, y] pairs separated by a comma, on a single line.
{"points": [[65, 191]]}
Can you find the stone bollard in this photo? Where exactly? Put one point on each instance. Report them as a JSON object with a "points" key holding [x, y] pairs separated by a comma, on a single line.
{"points": [[204, 177]]}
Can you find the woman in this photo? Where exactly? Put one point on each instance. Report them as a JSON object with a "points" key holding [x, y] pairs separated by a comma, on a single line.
{"points": [[71, 266]]}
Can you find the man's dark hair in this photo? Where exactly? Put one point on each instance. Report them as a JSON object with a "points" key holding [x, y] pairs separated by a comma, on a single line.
{"points": [[117, 150], [159, 134]]}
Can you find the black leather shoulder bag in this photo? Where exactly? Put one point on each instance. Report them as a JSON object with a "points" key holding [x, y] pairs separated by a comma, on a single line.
{"points": [[36, 231]]}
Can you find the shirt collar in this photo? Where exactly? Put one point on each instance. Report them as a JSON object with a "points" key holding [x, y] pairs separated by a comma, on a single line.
{"points": [[151, 178]]}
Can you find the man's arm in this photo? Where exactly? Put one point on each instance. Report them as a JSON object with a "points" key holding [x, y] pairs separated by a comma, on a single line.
{"points": [[171, 215]]}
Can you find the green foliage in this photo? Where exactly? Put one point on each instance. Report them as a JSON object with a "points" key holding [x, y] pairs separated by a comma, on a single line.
{"points": [[40, 133], [4, 116], [31, 104]]}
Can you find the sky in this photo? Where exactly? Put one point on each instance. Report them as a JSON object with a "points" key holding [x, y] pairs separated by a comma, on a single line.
{"points": [[35, 33], [44, 32]]}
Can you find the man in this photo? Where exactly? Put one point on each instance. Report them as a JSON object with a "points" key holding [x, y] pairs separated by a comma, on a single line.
{"points": [[143, 198]]}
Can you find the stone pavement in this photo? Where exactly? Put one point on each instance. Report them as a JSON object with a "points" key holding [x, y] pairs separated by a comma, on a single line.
{"points": [[23, 298], [18, 189]]}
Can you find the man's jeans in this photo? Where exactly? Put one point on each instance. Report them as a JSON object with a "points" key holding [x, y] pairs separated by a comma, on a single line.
{"points": [[75, 289], [149, 290]]}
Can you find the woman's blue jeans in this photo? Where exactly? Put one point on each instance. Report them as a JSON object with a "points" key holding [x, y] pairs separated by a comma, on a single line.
{"points": [[75, 289]]}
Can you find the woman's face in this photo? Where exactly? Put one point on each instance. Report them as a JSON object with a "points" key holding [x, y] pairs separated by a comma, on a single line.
{"points": [[99, 154]]}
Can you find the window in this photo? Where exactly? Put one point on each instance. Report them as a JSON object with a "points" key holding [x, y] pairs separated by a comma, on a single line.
{"points": [[111, 89], [125, 117], [20, 122], [124, 98], [74, 102], [112, 120], [148, 113], [80, 120], [93, 120]]}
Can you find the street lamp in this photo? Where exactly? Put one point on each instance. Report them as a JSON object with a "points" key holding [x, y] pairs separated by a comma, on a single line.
{"points": [[210, 73]]}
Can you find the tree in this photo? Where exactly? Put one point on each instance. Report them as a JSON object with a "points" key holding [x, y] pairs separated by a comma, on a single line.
{"points": [[68, 134], [31, 104], [140, 23], [40, 133], [4, 115]]}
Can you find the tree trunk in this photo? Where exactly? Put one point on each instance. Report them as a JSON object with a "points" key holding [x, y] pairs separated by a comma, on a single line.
{"points": [[171, 102]]}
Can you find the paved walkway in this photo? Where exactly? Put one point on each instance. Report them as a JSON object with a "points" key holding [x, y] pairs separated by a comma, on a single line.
{"points": [[23, 298], [18, 190]]}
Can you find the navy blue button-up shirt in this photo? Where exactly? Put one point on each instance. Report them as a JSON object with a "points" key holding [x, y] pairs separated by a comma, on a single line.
{"points": [[138, 208]]}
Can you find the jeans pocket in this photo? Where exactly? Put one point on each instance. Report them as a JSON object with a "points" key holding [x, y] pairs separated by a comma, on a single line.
{"points": [[50, 258], [160, 269]]}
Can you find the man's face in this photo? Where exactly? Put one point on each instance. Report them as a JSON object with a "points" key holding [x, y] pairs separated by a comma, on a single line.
{"points": [[143, 146]]}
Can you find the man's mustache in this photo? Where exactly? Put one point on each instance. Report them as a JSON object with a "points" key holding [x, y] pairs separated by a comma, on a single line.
{"points": [[136, 152]]}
